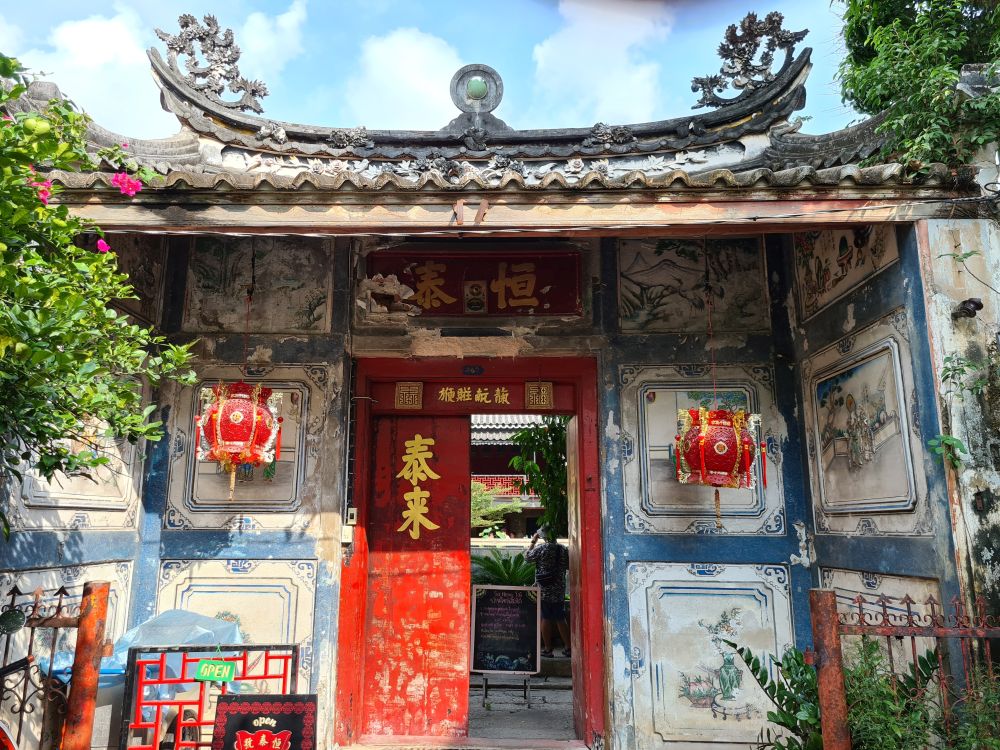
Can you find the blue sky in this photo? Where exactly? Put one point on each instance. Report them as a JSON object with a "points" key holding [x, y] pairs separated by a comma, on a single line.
{"points": [[387, 63]]}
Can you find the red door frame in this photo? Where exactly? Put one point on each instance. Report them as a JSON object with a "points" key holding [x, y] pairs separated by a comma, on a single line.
{"points": [[580, 373]]}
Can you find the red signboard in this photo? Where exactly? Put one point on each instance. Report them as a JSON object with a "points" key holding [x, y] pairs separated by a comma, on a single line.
{"points": [[487, 282]]}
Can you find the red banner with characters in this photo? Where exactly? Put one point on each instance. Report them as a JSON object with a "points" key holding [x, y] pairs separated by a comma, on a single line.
{"points": [[488, 282]]}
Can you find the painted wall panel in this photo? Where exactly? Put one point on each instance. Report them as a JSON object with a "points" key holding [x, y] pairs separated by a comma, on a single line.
{"points": [[862, 432], [831, 263], [292, 285], [687, 685], [198, 495], [655, 501], [142, 257], [271, 601], [661, 285]]}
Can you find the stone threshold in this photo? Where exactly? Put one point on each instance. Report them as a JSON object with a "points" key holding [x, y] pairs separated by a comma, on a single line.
{"points": [[462, 743]]}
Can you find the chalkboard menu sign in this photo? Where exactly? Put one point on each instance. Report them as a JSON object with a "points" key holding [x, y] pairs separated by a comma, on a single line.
{"points": [[275, 722], [505, 635]]}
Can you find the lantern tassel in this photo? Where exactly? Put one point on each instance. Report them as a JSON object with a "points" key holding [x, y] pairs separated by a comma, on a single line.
{"points": [[718, 509], [701, 445], [232, 482], [763, 463], [277, 444]]}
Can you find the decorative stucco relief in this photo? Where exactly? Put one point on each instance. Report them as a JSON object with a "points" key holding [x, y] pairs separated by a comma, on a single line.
{"points": [[283, 495], [291, 279], [831, 263], [864, 457], [687, 685], [271, 601], [655, 501], [662, 286]]}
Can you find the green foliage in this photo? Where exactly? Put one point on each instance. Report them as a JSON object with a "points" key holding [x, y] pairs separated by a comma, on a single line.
{"points": [[487, 514], [904, 58], [795, 695], [543, 462], [963, 375], [888, 711], [977, 727], [499, 569], [950, 448], [70, 365]]}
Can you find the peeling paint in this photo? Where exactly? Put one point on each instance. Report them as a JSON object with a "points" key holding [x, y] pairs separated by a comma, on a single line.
{"points": [[850, 322]]}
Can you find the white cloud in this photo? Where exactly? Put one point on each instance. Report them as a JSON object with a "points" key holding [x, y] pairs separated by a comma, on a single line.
{"points": [[267, 43], [100, 63], [594, 67], [10, 37], [402, 82]]}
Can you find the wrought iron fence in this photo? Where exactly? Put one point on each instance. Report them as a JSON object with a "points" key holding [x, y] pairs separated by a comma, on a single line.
{"points": [[959, 644], [168, 709], [36, 706]]}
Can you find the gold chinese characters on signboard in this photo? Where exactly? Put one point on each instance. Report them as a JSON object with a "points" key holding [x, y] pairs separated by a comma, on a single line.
{"points": [[416, 470], [513, 289], [454, 394]]}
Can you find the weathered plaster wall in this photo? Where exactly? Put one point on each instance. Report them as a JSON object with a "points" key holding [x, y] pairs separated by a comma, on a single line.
{"points": [[974, 488]]}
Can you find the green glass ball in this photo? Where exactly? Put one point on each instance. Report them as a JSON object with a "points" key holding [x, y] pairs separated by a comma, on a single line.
{"points": [[476, 88]]}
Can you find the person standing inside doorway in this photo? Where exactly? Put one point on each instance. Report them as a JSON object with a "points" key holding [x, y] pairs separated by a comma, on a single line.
{"points": [[551, 561]]}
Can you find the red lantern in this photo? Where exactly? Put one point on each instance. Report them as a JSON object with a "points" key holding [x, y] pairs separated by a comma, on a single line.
{"points": [[718, 448], [239, 426]]}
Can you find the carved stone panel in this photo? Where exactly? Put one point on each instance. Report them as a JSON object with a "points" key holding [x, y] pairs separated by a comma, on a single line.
{"points": [[862, 446], [661, 286], [687, 685], [655, 501], [291, 279]]}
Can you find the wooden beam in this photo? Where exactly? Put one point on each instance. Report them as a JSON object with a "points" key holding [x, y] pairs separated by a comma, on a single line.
{"points": [[522, 214]]}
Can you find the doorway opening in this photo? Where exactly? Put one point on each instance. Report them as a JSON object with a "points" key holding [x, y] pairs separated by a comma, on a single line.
{"points": [[405, 612], [511, 546]]}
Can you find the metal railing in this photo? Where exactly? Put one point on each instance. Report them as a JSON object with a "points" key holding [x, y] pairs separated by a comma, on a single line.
{"points": [[37, 706], [959, 642]]}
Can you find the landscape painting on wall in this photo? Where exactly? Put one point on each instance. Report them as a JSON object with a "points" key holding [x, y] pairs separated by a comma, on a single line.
{"points": [[830, 263], [662, 285], [863, 457], [291, 281]]}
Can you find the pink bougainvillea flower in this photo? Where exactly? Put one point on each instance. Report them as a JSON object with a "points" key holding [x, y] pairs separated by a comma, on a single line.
{"points": [[44, 190], [126, 184], [102, 246], [125, 144]]}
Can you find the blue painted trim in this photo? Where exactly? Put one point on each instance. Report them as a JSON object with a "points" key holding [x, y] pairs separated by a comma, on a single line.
{"points": [[154, 501], [47, 549], [226, 544]]}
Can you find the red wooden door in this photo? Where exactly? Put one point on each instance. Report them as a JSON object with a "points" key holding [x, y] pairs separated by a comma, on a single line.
{"points": [[417, 621]]}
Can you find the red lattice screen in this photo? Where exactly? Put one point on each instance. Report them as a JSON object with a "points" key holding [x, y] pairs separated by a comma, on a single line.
{"points": [[168, 710]]}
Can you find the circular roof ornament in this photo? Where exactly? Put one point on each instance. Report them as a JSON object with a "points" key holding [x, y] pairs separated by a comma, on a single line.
{"points": [[476, 88]]}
